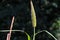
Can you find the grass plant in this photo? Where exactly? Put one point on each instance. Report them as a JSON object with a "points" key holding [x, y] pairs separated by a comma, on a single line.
{"points": [[33, 19]]}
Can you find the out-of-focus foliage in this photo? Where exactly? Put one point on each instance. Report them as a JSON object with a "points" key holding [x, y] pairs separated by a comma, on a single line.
{"points": [[56, 24], [56, 27]]}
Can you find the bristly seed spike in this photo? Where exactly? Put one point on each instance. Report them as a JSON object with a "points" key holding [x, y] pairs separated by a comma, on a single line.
{"points": [[33, 15]]}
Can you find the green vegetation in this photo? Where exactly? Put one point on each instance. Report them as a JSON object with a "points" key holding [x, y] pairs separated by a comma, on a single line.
{"points": [[33, 19]]}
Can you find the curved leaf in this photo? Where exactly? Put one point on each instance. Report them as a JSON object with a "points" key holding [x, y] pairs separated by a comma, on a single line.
{"points": [[28, 36]]}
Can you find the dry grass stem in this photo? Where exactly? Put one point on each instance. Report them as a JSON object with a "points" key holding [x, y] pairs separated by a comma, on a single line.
{"points": [[9, 34]]}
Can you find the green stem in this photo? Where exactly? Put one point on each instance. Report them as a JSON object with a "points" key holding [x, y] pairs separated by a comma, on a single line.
{"points": [[12, 30], [34, 34], [28, 36]]}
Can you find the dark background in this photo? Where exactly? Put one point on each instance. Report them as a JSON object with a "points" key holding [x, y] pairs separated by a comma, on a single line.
{"points": [[46, 13]]}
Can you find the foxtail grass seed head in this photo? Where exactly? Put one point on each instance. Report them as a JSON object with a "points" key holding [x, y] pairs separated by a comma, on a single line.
{"points": [[33, 15]]}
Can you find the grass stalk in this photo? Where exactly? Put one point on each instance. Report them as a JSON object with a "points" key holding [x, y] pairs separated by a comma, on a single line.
{"points": [[9, 34], [34, 34], [11, 30]]}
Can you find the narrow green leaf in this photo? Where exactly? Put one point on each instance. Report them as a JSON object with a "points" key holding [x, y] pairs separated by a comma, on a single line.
{"points": [[28, 36]]}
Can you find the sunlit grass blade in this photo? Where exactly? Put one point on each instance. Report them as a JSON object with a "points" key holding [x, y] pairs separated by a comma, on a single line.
{"points": [[28, 36]]}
